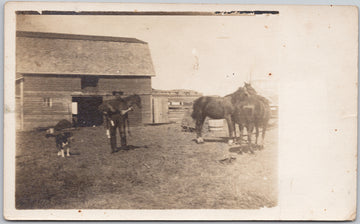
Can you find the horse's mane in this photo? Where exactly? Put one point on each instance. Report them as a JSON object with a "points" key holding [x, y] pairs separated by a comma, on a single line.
{"points": [[238, 95], [254, 93], [250, 89], [240, 89]]}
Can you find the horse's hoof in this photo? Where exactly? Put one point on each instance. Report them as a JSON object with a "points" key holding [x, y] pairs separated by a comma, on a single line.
{"points": [[230, 142], [199, 140]]}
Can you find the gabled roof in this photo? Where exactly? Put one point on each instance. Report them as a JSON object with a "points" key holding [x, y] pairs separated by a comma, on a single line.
{"points": [[69, 54]]}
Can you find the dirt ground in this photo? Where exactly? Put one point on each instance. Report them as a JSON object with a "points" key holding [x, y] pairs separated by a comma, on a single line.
{"points": [[164, 169]]}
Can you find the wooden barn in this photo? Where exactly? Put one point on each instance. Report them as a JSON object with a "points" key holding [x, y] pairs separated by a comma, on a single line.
{"points": [[66, 76]]}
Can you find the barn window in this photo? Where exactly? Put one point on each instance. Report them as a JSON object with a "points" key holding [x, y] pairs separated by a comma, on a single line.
{"points": [[89, 81], [47, 102]]}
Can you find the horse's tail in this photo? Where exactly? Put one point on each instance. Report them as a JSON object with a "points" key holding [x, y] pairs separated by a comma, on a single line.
{"points": [[267, 112], [196, 113]]}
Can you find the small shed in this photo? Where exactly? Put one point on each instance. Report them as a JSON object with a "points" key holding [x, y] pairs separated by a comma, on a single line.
{"points": [[160, 110], [177, 102]]}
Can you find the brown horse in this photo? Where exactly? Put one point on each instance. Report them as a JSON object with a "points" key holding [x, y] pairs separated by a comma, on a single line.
{"points": [[253, 112], [216, 108], [115, 114]]}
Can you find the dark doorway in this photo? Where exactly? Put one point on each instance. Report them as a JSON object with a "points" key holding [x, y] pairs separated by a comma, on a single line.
{"points": [[86, 111]]}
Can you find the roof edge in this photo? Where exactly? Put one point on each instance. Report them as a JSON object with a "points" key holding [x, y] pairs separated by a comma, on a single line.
{"points": [[77, 37]]}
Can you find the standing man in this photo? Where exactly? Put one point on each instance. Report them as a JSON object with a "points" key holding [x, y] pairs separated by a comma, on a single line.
{"points": [[116, 121]]}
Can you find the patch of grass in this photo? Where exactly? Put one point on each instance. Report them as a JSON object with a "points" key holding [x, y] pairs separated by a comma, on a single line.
{"points": [[164, 170]]}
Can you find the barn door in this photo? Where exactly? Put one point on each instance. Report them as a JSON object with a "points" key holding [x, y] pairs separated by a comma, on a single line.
{"points": [[85, 111], [160, 110]]}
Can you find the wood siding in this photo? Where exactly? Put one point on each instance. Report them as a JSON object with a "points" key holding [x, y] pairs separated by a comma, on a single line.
{"points": [[128, 85], [160, 110], [178, 112], [179, 105], [48, 98]]}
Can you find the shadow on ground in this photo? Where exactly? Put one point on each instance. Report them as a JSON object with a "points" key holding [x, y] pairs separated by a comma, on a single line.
{"points": [[130, 147], [240, 149]]}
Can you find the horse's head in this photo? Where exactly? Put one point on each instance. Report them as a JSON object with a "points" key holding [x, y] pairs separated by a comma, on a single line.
{"points": [[239, 95], [101, 107], [241, 92], [134, 100], [104, 108], [249, 88]]}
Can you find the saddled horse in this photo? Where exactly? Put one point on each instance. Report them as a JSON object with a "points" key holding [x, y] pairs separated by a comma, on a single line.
{"points": [[216, 108], [115, 114], [252, 112]]}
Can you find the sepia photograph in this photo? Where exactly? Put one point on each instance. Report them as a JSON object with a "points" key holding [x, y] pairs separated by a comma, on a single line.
{"points": [[157, 109], [141, 116]]}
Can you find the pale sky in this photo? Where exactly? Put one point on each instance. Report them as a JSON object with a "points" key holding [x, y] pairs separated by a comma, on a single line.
{"points": [[210, 54]]}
